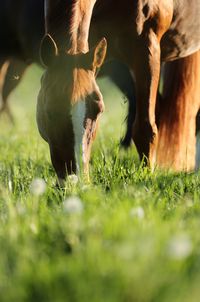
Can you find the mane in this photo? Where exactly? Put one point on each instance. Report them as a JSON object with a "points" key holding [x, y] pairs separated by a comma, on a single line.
{"points": [[79, 25], [79, 31], [69, 21], [59, 18], [75, 14]]}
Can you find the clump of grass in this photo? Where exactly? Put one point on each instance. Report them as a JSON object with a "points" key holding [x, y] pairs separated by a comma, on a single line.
{"points": [[130, 235]]}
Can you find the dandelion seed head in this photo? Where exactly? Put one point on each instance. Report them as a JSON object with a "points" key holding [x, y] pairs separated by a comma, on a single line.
{"points": [[73, 179], [179, 247], [21, 210], [137, 212], [10, 185], [85, 187], [73, 205], [38, 186], [33, 228]]}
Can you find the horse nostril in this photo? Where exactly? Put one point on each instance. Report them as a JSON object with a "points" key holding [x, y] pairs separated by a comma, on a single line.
{"points": [[101, 106]]}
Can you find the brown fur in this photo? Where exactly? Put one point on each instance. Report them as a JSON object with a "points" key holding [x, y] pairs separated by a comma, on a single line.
{"points": [[74, 82], [3, 70], [82, 85], [141, 33], [177, 117]]}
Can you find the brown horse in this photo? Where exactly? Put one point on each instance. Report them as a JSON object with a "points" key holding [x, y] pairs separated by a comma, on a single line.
{"points": [[141, 34], [20, 48]]}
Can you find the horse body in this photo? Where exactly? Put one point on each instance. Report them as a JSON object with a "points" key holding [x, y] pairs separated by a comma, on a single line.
{"points": [[140, 33], [182, 37], [179, 40], [116, 21], [159, 31]]}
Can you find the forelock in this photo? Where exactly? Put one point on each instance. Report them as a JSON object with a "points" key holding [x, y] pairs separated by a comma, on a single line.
{"points": [[82, 84]]}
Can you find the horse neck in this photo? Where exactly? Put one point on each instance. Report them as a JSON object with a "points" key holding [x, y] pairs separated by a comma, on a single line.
{"points": [[68, 22]]}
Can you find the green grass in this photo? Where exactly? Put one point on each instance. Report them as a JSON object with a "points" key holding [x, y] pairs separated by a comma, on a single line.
{"points": [[135, 239]]}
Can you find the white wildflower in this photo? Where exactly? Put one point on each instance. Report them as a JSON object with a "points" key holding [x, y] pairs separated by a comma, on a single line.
{"points": [[85, 187], [137, 212], [189, 202], [73, 179], [179, 247], [33, 228], [21, 210], [10, 185], [73, 205], [38, 186]]}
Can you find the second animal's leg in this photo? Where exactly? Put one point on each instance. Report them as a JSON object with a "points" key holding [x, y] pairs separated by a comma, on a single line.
{"points": [[12, 78], [122, 78], [177, 114], [146, 67], [3, 70]]}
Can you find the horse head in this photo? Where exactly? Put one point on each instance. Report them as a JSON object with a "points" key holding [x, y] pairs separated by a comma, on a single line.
{"points": [[69, 104]]}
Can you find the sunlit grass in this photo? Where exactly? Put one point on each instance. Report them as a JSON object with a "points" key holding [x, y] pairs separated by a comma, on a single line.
{"points": [[129, 235]]}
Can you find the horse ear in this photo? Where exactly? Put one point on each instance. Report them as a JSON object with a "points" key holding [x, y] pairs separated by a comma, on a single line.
{"points": [[99, 53], [48, 50]]}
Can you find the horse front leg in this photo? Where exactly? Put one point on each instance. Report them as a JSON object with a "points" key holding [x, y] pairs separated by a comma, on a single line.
{"points": [[147, 71]]}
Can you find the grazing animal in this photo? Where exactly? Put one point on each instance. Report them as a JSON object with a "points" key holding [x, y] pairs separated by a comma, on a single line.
{"points": [[139, 33], [21, 31]]}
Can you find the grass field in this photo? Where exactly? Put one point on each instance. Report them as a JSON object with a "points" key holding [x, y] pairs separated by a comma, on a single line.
{"points": [[131, 235]]}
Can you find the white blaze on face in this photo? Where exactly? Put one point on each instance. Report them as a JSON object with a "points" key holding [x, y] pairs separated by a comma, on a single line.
{"points": [[78, 116]]}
